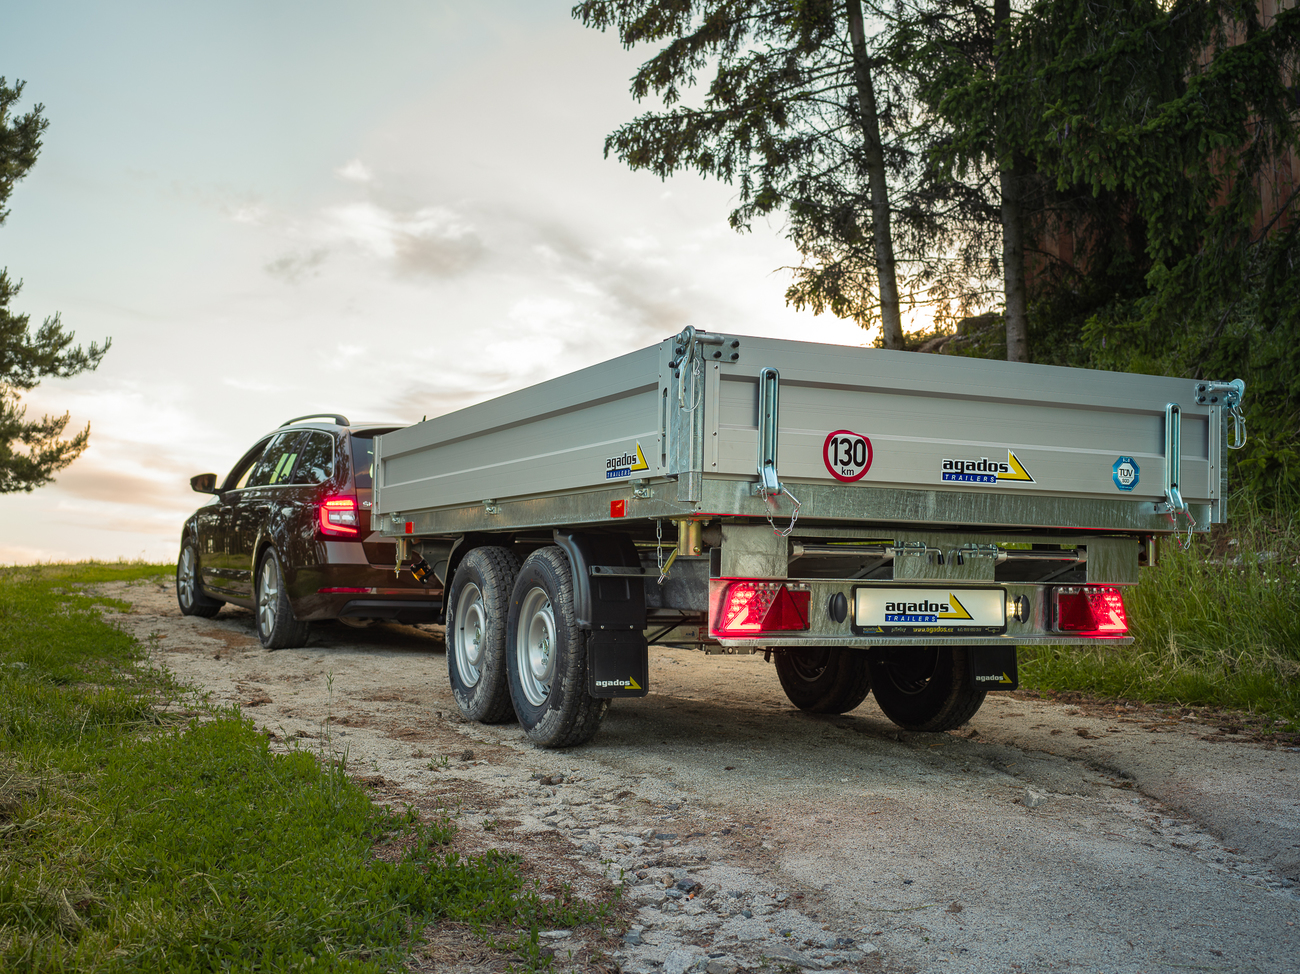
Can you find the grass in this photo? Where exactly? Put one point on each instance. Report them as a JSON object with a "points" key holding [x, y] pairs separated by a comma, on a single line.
{"points": [[141, 830], [1216, 625]]}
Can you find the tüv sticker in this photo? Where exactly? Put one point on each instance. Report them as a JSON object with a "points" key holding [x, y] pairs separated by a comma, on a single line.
{"points": [[1125, 473], [616, 468]]}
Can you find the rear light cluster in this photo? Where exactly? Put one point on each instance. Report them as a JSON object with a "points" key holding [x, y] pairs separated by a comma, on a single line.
{"points": [[1090, 610], [340, 516], [753, 607]]}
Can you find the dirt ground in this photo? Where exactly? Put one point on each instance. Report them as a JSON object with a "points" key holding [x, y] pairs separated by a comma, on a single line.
{"points": [[1044, 835]]}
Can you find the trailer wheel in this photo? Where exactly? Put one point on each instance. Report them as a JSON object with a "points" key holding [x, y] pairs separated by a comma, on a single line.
{"points": [[547, 656], [926, 689], [477, 606], [824, 679]]}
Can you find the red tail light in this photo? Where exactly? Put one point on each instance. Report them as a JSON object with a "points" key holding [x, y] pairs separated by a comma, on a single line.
{"points": [[1091, 610], [340, 516], [750, 607]]}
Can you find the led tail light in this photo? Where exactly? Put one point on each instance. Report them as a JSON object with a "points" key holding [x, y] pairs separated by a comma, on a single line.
{"points": [[750, 607], [340, 516], [1090, 610]]}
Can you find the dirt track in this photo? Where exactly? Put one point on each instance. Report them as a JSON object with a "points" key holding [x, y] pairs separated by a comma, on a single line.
{"points": [[1041, 836]]}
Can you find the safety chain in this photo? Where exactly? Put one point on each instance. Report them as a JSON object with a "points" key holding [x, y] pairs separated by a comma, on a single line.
{"points": [[1184, 545], [664, 567], [769, 499]]}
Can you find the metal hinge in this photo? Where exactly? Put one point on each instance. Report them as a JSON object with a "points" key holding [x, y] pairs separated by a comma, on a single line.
{"points": [[1228, 395]]}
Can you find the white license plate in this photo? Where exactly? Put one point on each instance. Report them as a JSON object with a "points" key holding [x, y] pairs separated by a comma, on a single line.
{"points": [[932, 611]]}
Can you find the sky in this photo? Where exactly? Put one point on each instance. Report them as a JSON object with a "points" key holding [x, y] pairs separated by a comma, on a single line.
{"points": [[388, 210]]}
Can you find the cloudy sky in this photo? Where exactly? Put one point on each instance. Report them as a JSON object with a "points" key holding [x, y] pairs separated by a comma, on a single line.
{"points": [[390, 210]]}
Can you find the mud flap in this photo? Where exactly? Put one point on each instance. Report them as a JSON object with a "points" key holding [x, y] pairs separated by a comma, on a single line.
{"points": [[618, 663], [992, 667]]}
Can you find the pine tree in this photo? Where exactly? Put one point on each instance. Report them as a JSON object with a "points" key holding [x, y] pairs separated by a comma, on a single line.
{"points": [[31, 451]]}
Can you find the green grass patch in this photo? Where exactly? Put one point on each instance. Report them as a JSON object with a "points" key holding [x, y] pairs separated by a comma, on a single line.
{"points": [[143, 831], [1216, 625]]}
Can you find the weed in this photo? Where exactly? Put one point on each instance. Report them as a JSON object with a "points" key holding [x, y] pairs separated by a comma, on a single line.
{"points": [[1215, 625]]}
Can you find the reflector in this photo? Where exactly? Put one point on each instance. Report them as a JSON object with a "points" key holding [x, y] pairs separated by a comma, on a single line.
{"points": [[750, 607], [1092, 610]]}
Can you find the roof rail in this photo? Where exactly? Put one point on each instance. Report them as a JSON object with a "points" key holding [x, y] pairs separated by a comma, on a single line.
{"points": [[338, 420]]}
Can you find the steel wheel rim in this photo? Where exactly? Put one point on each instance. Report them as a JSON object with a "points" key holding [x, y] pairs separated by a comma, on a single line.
{"points": [[268, 596], [469, 634], [535, 646], [913, 677], [809, 665], [185, 577]]}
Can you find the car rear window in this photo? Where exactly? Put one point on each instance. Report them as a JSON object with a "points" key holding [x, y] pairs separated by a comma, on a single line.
{"points": [[363, 457]]}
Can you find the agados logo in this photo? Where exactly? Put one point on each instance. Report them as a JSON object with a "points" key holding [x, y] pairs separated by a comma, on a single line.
{"points": [[986, 471]]}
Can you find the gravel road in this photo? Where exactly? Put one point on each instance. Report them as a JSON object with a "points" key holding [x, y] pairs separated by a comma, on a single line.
{"points": [[749, 835]]}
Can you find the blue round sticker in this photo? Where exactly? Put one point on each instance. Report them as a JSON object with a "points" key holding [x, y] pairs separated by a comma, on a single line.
{"points": [[1125, 473]]}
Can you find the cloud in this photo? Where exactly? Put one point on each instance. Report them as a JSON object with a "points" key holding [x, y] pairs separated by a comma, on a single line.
{"points": [[294, 267], [115, 487], [427, 242], [355, 171]]}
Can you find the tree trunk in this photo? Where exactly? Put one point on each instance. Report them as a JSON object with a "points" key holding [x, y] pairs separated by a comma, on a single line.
{"points": [[1013, 230], [890, 316]]}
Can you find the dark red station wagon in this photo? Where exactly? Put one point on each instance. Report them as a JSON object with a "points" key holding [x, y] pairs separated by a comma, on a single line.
{"points": [[287, 534]]}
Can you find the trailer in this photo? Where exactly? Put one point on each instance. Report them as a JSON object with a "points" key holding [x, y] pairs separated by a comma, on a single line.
{"points": [[872, 521]]}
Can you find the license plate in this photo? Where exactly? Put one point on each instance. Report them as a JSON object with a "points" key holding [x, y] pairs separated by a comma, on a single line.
{"points": [[930, 611]]}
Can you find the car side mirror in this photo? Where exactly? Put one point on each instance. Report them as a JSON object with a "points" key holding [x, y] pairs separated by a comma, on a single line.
{"points": [[205, 483]]}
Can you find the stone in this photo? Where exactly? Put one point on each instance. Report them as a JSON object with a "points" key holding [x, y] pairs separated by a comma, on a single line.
{"points": [[1033, 799], [720, 966], [590, 848], [633, 937], [555, 934], [791, 956], [679, 961]]}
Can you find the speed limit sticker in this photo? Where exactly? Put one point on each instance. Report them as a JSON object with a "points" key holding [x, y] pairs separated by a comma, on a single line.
{"points": [[847, 455]]}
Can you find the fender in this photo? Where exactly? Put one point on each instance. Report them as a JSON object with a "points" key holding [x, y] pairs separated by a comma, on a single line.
{"points": [[609, 601]]}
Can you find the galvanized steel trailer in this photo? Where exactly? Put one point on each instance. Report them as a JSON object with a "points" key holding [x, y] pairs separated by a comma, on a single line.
{"points": [[874, 520]]}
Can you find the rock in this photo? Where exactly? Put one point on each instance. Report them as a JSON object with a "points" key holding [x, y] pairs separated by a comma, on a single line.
{"points": [[633, 936], [747, 914], [674, 894], [720, 966], [1033, 799], [555, 934], [791, 956], [590, 848], [680, 961]]}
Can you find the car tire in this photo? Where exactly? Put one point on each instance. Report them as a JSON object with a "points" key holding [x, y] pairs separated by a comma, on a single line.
{"points": [[189, 586], [477, 607], [926, 689], [824, 679], [546, 656], [272, 613]]}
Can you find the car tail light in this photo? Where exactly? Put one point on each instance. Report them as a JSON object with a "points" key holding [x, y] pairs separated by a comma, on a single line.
{"points": [[1090, 610], [753, 607], [340, 516]]}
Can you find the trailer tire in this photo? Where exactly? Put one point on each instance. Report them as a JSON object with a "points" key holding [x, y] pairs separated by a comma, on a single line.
{"points": [[824, 679], [926, 689], [546, 657], [477, 607]]}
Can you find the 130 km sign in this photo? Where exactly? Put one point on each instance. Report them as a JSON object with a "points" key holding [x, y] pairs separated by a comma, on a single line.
{"points": [[847, 455]]}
